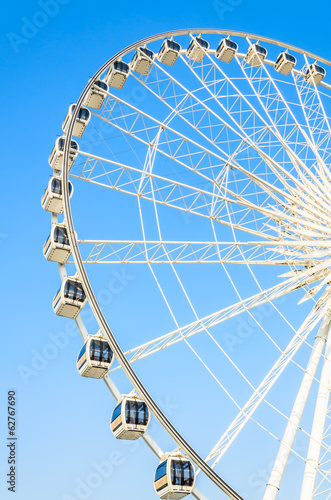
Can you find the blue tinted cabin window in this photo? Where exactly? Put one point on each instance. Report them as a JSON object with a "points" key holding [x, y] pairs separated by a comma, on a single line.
{"points": [[182, 473], [107, 353], [142, 413], [83, 114], [231, 44], [148, 52], [290, 58], [95, 350], [319, 69], [74, 145], [82, 351], [61, 235], [176, 472], [136, 413], [101, 85], [100, 351], [260, 50], [202, 42], [173, 45], [116, 412], [121, 66], [228, 44], [56, 186], [188, 474], [74, 290], [161, 471]]}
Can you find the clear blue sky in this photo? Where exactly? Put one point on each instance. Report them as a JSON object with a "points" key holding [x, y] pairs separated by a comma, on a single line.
{"points": [[46, 60]]}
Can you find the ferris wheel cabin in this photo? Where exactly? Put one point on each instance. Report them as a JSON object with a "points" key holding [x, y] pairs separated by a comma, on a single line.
{"points": [[56, 157], [169, 52], [117, 74], [96, 95], [256, 55], [174, 478], [315, 74], [285, 63], [130, 418], [70, 299], [57, 246], [142, 61], [226, 50], [52, 199], [81, 122], [95, 357], [196, 49]]}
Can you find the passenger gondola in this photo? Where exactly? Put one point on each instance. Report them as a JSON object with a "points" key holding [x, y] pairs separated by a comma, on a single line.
{"points": [[196, 49], [130, 418], [175, 477], [70, 299], [256, 55], [285, 62], [315, 74], [95, 357], [142, 61], [169, 52], [81, 122], [96, 95], [117, 74], [226, 50], [52, 199], [57, 246], [56, 157]]}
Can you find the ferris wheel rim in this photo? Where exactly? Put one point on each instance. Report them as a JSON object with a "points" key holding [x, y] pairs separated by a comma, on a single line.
{"points": [[67, 209]]}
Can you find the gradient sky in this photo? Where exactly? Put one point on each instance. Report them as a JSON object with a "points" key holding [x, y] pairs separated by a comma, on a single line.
{"points": [[46, 60]]}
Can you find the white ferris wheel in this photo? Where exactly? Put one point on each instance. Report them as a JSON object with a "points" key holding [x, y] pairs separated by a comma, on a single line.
{"points": [[201, 165]]}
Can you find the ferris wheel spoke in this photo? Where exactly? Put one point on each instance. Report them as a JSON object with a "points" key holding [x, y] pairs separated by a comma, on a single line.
{"points": [[175, 146], [195, 252], [296, 282], [317, 313], [170, 193]]}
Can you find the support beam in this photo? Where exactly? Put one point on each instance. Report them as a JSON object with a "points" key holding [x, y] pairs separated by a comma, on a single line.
{"points": [[297, 411], [321, 409]]}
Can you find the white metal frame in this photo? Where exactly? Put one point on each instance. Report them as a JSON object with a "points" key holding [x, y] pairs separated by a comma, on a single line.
{"points": [[306, 205]]}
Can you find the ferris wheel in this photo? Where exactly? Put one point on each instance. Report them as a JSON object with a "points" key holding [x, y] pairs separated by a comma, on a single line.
{"points": [[199, 160]]}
